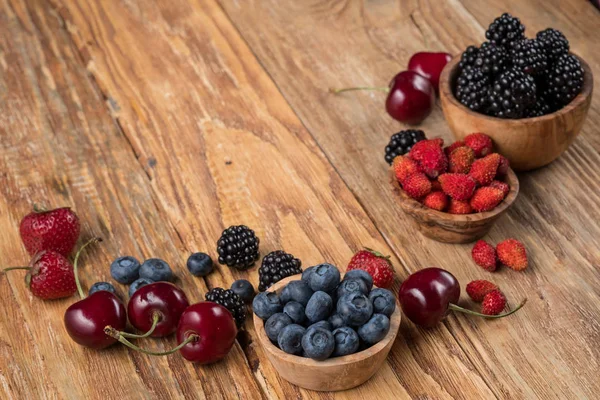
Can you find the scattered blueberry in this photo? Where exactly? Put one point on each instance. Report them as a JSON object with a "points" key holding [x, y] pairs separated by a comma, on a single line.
{"points": [[244, 289], [266, 304], [318, 343], [325, 278], [306, 274], [200, 264], [295, 311], [297, 291], [319, 307], [352, 285], [346, 341], [383, 301], [290, 339], [322, 324], [336, 321], [275, 324], [375, 329], [156, 270], [125, 270], [360, 274], [355, 308], [138, 283], [98, 286]]}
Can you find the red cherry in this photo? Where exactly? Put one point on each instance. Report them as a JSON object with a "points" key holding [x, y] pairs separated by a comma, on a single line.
{"points": [[411, 98], [161, 300], [429, 65]]}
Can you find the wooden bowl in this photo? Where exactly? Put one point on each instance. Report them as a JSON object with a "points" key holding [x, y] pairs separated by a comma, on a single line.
{"points": [[338, 373], [453, 228], [528, 143]]}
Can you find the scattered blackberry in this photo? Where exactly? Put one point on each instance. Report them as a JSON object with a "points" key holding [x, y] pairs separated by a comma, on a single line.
{"points": [[468, 57], [231, 301], [512, 94], [238, 247], [276, 266], [401, 143], [554, 42], [505, 30], [491, 59], [539, 108], [529, 55], [472, 86], [565, 81]]}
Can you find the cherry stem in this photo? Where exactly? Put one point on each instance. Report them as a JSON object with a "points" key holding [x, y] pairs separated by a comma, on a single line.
{"points": [[39, 208], [454, 307], [112, 332], [380, 89], [77, 283], [155, 320], [12, 268]]}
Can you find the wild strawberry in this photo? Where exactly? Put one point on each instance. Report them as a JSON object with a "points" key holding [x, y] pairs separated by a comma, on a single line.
{"points": [[458, 186], [484, 169], [460, 160], [417, 185], [375, 264], [459, 207], [430, 157], [493, 303], [486, 199], [56, 230], [448, 150], [484, 255], [502, 186], [436, 200], [480, 143], [512, 253], [503, 167], [403, 167], [479, 288]]}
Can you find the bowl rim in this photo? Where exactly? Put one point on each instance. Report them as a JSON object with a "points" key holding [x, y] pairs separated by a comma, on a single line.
{"points": [[511, 178], [395, 320], [447, 93]]}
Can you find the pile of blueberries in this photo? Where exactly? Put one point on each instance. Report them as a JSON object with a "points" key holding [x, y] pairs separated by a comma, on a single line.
{"points": [[322, 316]]}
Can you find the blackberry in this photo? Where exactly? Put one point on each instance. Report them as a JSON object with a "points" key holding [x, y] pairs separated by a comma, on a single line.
{"points": [[468, 57], [554, 42], [492, 59], [231, 301], [276, 266], [565, 81], [472, 86], [529, 55], [512, 94], [540, 108], [505, 30], [238, 247], [401, 143]]}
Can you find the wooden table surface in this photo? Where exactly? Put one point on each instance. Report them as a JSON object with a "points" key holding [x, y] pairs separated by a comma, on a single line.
{"points": [[163, 122]]}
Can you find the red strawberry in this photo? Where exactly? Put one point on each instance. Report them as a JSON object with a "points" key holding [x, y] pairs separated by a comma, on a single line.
{"points": [[486, 199], [460, 160], [430, 157], [457, 186], [484, 255], [436, 200], [459, 207], [417, 185], [480, 143], [403, 167], [417, 152], [484, 170], [502, 186], [448, 150], [479, 288], [512, 253], [56, 230], [375, 264], [503, 167], [493, 303]]}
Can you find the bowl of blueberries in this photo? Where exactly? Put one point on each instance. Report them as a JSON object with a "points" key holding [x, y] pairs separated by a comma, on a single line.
{"points": [[324, 331]]}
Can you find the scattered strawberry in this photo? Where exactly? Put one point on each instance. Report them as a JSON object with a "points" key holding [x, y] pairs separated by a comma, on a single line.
{"points": [[436, 200], [417, 185], [460, 160], [512, 253], [459, 207], [484, 255], [56, 230], [493, 303], [458, 186], [480, 143], [403, 167], [503, 167], [375, 264], [484, 170], [448, 150], [502, 186], [479, 288], [486, 199]]}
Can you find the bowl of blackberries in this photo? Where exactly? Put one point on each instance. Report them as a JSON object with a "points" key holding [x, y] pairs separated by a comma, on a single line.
{"points": [[531, 95], [324, 331]]}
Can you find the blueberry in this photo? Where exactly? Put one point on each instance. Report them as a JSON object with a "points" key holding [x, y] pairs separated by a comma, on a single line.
{"points": [[244, 289], [306, 274], [325, 278], [383, 301], [318, 343], [138, 283], [295, 311], [346, 341], [125, 270], [290, 339], [297, 291], [322, 324], [156, 269], [319, 307], [200, 264], [375, 329], [98, 286], [352, 285], [266, 304], [275, 324], [355, 308], [336, 321], [360, 274]]}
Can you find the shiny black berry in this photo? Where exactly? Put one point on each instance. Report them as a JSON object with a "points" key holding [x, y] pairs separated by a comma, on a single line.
{"points": [[512, 94], [505, 30], [401, 143], [468, 57], [541, 107], [491, 59], [565, 81], [554, 42], [238, 247], [529, 55], [276, 266], [231, 301], [472, 87]]}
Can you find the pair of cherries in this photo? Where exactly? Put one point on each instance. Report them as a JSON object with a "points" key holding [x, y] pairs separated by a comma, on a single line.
{"points": [[411, 93], [206, 331]]}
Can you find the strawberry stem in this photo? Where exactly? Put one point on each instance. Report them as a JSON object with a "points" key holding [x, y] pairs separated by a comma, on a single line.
{"points": [[39, 208], [77, 283], [12, 268], [377, 254], [380, 89], [454, 307], [110, 331], [155, 320]]}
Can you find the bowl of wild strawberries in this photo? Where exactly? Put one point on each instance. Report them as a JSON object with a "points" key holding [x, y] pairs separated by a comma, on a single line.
{"points": [[454, 194], [531, 95]]}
